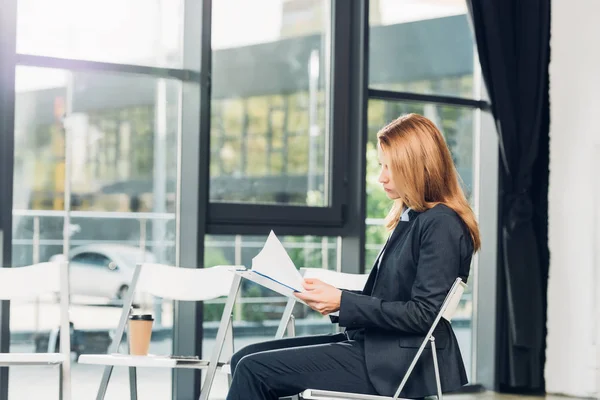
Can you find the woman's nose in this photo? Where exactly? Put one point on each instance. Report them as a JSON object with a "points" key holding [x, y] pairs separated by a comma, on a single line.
{"points": [[382, 177]]}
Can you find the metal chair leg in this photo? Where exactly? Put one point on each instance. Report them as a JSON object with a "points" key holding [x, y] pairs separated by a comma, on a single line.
{"points": [[133, 383], [291, 326], [104, 382], [60, 382], [220, 341], [116, 342], [436, 368], [284, 324], [229, 349]]}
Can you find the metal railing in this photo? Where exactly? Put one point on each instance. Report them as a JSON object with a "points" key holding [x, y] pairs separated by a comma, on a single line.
{"points": [[325, 245]]}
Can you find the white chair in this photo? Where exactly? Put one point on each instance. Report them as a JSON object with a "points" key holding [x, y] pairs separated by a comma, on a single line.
{"points": [[181, 284], [447, 312], [38, 280]]}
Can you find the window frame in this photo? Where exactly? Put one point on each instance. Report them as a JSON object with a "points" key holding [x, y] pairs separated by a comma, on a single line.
{"points": [[8, 49], [231, 217]]}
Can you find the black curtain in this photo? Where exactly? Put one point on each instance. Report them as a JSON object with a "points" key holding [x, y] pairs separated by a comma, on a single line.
{"points": [[513, 41]]}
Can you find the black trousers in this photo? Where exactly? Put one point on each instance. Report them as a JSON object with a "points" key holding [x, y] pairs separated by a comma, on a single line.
{"points": [[286, 367]]}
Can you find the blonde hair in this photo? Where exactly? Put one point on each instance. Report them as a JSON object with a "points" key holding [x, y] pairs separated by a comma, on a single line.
{"points": [[421, 165]]}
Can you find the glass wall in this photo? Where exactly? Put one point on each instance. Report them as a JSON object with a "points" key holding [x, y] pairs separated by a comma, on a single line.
{"points": [[432, 59], [111, 97], [95, 176], [270, 96], [114, 138]]}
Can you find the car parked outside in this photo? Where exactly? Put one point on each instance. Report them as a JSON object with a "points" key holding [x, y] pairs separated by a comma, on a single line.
{"points": [[103, 270]]}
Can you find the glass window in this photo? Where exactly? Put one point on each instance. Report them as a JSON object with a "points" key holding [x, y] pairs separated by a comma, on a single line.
{"points": [[123, 134], [457, 126], [422, 46], [92, 259], [120, 31], [258, 310], [270, 94]]}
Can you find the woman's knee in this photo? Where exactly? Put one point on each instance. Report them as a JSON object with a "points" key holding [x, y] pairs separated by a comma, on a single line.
{"points": [[244, 365], [240, 354], [235, 360]]}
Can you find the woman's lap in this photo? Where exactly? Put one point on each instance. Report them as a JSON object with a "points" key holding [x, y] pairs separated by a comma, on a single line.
{"points": [[284, 344], [286, 367]]}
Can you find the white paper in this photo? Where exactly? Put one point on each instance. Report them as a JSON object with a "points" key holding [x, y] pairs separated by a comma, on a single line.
{"points": [[274, 262], [268, 283]]}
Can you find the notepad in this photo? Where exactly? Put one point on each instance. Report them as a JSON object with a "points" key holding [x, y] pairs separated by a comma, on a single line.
{"points": [[274, 264]]}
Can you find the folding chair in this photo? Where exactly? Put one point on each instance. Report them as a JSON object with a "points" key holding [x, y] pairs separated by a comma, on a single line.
{"points": [[447, 311], [181, 284], [49, 278]]}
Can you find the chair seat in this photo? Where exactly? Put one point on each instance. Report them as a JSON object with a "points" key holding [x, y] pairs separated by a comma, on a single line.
{"points": [[315, 394], [152, 361], [16, 359]]}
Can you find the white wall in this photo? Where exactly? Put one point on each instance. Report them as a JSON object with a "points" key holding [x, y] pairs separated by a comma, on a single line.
{"points": [[573, 350]]}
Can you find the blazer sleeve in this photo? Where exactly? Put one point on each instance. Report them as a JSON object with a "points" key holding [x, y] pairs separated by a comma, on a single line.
{"points": [[437, 269], [335, 318]]}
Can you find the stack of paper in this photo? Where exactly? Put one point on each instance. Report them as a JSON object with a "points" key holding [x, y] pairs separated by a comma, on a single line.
{"points": [[274, 269]]}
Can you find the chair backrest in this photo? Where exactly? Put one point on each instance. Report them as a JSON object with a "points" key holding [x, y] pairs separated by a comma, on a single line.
{"points": [[340, 280], [30, 281], [38, 280], [453, 298], [184, 284]]}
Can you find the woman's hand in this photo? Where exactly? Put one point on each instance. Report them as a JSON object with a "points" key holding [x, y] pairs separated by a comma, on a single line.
{"points": [[320, 296]]}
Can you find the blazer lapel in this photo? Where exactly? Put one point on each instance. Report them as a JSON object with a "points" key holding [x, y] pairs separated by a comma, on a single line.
{"points": [[373, 274], [397, 235], [382, 250], [398, 232], [403, 227]]}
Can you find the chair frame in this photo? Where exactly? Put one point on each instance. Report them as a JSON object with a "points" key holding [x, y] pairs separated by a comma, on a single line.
{"points": [[64, 328], [429, 339], [225, 334], [286, 324]]}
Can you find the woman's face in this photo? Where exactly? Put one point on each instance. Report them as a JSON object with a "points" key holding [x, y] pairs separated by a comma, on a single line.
{"points": [[385, 176]]}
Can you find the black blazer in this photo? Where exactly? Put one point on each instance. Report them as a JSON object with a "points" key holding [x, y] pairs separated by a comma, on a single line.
{"points": [[422, 259]]}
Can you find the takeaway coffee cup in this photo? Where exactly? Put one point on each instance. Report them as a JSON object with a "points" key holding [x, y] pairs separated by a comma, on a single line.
{"points": [[140, 332]]}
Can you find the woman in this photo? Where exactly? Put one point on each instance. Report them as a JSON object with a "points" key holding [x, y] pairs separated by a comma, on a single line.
{"points": [[433, 237]]}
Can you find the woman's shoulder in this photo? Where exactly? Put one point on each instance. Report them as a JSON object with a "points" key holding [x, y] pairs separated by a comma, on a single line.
{"points": [[439, 211], [441, 215]]}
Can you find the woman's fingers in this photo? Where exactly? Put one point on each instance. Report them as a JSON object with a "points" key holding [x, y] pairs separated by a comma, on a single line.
{"points": [[313, 282], [306, 296]]}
